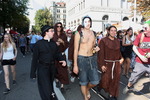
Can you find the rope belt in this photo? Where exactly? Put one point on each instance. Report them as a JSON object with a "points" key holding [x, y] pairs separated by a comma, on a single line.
{"points": [[113, 66]]}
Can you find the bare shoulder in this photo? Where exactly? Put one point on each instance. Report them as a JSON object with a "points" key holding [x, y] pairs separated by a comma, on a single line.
{"points": [[77, 34]]}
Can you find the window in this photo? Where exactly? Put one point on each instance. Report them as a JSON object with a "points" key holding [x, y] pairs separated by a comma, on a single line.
{"points": [[105, 17], [64, 16], [64, 21], [64, 11], [58, 16], [133, 19], [125, 18], [58, 10]]}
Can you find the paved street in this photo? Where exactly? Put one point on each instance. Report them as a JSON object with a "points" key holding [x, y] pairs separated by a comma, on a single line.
{"points": [[27, 90]]}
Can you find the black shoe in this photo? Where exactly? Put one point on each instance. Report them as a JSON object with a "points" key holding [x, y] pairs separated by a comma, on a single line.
{"points": [[62, 90], [58, 84], [14, 82], [6, 91], [112, 98]]}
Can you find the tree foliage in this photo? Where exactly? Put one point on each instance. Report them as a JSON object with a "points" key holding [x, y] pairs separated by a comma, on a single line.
{"points": [[42, 17], [13, 13], [143, 7]]}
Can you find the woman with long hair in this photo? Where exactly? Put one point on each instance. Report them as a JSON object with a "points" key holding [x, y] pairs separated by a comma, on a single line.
{"points": [[127, 42], [8, 55], [61, 40]]}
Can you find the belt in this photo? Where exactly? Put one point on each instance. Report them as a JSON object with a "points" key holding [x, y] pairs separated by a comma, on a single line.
{"points": [[113, 66], [46, 64]]}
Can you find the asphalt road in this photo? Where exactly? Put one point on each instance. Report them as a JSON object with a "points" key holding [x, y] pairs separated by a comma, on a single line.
{"points": [[25, 89]]}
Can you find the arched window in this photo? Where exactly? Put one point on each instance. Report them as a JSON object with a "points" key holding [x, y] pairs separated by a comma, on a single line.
{"points": [[104, 22], [74, 22], [133, 19], [125, 18], [71, 24], [78, 21], [105, 17], [142, 20]]}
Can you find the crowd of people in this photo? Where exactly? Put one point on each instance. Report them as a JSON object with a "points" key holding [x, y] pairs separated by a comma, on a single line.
{"points": [[96, 59]]}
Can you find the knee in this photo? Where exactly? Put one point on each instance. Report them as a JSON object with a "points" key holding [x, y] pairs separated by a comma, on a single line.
{"points": [[6, 74], [13, 71]]}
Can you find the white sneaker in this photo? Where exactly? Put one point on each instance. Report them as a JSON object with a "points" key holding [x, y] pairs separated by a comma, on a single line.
{"points": [[72, 79]]}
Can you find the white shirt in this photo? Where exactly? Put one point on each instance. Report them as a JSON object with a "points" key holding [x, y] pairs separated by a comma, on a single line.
{"points": [[9, 53], [127, 41]]}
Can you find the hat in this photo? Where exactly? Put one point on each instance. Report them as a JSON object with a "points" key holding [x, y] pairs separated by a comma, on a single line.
{"points": [[45, 28], [68, 31]]}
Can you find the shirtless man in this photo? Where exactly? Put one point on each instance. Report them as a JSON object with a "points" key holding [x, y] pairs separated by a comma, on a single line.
{"points": [[84, 62]]}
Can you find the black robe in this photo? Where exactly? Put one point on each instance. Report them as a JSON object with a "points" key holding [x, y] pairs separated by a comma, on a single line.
{"points": [[44, 55]]}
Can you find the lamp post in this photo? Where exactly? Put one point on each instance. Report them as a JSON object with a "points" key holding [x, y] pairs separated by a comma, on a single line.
{"points": [[134, 28], [134, 11]]}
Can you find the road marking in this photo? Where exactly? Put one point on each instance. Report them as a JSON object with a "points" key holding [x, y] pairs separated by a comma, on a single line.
{"points": [[58, 93], [98, 94]]}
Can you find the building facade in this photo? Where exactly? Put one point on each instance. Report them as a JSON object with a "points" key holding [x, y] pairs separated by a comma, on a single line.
{"points": [[102, 12], [58, 10]]}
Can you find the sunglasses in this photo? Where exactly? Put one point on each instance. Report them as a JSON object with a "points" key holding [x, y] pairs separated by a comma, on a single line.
{"points": [[59, 26]]}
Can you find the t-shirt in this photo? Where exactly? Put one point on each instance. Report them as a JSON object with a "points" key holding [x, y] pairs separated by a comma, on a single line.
{"points": [[143, 48], [22, 41]]}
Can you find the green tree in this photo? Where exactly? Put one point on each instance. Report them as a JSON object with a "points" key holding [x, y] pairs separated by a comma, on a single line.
{"points": [[23, 24], [42, 17], [143, 7], [12, 11]]}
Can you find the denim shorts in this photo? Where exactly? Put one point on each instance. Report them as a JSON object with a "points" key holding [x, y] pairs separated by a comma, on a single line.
{"points": [[88, 71]]}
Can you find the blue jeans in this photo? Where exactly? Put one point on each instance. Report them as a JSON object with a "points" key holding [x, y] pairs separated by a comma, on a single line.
{"points": [[32, 46], [88, 71]]}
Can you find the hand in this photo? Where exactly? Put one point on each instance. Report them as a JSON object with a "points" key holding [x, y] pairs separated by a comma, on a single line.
{"points": [[143, 58], [104, 68], [75, 69], [121, 61], [63, 63], [60, 40], [33, 80], [131, 43], [58, 43], [14, 58], [97, 48]]}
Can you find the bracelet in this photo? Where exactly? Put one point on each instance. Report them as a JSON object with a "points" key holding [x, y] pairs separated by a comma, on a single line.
{"points": [[146, 55]]}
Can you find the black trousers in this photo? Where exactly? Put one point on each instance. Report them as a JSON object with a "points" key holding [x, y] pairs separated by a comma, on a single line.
{"points": [[22, 49], [45, 82]]}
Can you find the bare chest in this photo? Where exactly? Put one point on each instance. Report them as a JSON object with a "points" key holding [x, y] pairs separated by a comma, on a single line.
{"points": [[87, 38]]}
